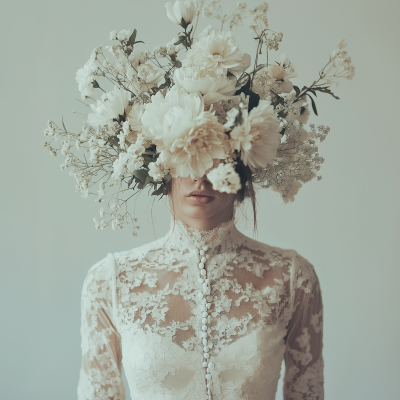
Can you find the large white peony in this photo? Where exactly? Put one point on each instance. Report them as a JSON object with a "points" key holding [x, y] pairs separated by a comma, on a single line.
{"points": [[213, 87], [217, 51], [187, 137], [258, 137]]}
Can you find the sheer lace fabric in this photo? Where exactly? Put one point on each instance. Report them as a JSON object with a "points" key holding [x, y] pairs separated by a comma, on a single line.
{"points": [[141, 309]]}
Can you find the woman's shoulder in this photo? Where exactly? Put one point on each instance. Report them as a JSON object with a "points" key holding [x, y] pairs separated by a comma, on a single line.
{"points": [[300, 264]]}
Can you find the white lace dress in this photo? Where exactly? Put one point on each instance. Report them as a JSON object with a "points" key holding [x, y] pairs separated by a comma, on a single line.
{"points": [[202, 315]]}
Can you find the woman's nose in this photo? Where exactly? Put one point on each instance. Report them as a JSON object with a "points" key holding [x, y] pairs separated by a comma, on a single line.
{"points": [[202, 179]]}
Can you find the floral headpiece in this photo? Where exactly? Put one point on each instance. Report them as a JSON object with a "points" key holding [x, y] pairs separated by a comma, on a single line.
{"points": [[194, 107]]}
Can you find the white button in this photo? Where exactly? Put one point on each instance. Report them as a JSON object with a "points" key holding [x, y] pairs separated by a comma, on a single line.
{"points": [[206, 349], [202, 252], [201, 265], [201, 280], [208, 377], [205, 342], [205, 314], [204, 328], [206, 355], [210, 365], [200, 295], [204, 335], [205, 248], [207, 280], [204, 320], [205, 364], [203, 259], [203, 272], [210, 345]]}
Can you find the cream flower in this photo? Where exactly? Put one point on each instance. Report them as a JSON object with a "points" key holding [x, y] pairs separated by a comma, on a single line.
{"points": [[217, 51], [111, 106], [144, 77], [85, 77], [213, 87], [244, 64], [185, 10], [187, 137], [275, 78], [224, 178], [257, 138]]}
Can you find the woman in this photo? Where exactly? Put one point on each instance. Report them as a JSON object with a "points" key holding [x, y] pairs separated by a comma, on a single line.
{"points": [[204, 313]]}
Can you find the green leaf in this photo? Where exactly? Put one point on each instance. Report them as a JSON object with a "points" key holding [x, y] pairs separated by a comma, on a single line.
{"points": [[132, 38], [297, 90], [140, 174], [184, 24], [159, 191], [148, 180], [326, 89], [314, 107]]}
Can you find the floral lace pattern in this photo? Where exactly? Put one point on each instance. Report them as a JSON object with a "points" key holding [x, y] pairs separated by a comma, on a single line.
{"points": [[141, 309]]}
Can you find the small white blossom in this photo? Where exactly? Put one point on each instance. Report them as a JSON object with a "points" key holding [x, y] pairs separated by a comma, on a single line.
{"points": [[224, 178]]}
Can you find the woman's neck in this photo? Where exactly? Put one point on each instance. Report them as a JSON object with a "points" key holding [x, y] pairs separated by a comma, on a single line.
{"points": [[206, 224]]}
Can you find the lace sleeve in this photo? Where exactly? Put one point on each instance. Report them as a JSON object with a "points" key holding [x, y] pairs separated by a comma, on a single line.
{"points": [[100, 373], [303, 355]]}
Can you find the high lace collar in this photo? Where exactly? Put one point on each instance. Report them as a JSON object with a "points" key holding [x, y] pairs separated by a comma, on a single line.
{"points": [[182, 236]]}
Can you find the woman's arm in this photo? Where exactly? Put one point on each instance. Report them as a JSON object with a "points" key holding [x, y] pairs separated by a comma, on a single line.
{"points": [[100, 373], [304, 365]]}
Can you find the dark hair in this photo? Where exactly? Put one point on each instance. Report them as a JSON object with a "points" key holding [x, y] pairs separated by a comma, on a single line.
{"points": [[247, 190]]}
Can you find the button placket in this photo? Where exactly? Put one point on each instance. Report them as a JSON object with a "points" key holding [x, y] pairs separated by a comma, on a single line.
{"points": [[205, 298]]}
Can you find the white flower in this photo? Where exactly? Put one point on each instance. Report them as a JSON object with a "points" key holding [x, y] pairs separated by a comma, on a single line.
{"points": [[113, 106], [113, 35], [244, 64], [224, 178], [143, 77], [123, 35], [156, 170], [217, 51], [85, 77], [258, 137], [130, 160], [185, 10], [110, 107], [173, 49], [213, 87], [187, 137], [282, 73]]}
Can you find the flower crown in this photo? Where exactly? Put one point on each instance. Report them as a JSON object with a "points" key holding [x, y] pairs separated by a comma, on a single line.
{"points": [[194, 107]]}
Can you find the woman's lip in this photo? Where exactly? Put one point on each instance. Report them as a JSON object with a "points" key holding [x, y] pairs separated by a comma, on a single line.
{"points": [[200, 199], [200, 193]]}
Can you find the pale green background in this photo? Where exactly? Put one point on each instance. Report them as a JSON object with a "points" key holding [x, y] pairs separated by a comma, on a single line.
{"points": [[347, 225]]}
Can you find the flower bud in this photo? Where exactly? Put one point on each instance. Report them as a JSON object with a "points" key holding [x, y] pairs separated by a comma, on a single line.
{"points": [[182, 12]]}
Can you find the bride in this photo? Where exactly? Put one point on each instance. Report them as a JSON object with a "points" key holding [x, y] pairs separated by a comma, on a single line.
{"points": [[203, 313]]}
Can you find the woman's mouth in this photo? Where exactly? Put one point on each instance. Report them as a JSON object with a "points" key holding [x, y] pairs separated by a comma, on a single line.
{"points": [[201, 199]]}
